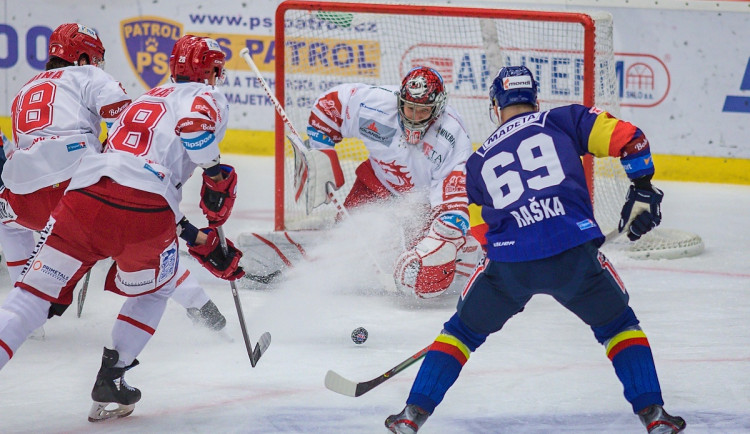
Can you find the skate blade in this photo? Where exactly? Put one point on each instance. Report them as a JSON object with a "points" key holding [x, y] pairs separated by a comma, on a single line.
{"points": [[99, 411]]}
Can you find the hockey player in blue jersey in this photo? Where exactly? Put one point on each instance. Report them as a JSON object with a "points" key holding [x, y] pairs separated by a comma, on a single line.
{"points": [[541, 238]]}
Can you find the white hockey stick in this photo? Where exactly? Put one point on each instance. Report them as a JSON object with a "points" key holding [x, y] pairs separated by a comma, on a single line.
{"points": [[298, 145], [300, 159]]}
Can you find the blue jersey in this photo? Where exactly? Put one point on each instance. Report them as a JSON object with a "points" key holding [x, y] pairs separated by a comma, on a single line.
{"points": [[529, 179]]}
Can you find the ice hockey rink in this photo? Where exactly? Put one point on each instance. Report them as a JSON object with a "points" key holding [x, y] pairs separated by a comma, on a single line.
{"points": [[543, 373]]}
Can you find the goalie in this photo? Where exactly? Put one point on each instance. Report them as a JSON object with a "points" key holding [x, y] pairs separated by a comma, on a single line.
{"points": [[417, 144]]}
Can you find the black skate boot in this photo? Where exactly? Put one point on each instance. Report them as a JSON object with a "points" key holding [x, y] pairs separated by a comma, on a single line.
{"points": [[208, 316], [110, 388], [658, 421], [408, 421]]}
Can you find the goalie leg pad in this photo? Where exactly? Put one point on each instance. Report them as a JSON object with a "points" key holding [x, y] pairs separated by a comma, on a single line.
{"points": [[323, 169]]}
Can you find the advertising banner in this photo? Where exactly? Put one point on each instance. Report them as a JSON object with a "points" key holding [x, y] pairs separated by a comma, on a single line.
{"points": [[683, 75]]}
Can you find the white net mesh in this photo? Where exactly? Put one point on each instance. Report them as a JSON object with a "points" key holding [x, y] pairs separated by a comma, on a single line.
{"points": [[467, 46]]}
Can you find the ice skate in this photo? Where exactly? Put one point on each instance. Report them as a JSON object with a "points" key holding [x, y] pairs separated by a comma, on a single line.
{"points": [[111, 390], [208, 316], [658, 421], [408, 421]]}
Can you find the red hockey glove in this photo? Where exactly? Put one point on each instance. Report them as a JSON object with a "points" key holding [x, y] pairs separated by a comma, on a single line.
{"points": [[212, 258], [217, 197]]}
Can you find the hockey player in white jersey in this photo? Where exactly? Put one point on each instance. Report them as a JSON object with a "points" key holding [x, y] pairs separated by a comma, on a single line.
{"points": [[417, 144], [57, 118], [124, 204]]}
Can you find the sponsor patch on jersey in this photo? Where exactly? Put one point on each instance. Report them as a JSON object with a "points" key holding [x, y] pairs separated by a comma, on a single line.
{"points": [[319, 137], [158, 174], [586, 224], [75, 146], [49, 271], [148, 42], [376, 131], [134, 282], [167, 264], [199, 142], [454, 185]]}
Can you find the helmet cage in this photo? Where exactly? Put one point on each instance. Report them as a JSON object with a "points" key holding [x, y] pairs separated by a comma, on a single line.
{"points": [[422, 87], [70, 41]]}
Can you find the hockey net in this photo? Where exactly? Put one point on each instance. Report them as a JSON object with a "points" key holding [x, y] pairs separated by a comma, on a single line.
{"points": [[322, 44]]}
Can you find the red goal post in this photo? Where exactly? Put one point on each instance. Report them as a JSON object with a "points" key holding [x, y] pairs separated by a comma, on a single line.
{"points": [[321, 44]]}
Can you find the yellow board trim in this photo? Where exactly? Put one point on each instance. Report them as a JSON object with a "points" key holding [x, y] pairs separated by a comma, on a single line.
{"points": [[668, 167]]}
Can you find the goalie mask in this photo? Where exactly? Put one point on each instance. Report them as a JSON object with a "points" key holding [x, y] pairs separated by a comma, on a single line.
{"points": [[195, 58], [421, 101], [70, 41], [513, 85]]}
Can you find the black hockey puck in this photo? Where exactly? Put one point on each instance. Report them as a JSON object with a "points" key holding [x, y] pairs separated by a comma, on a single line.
{"points": [[359, 335]]}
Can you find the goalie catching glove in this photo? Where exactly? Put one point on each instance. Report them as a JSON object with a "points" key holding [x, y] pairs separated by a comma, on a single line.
{"points": [[211, 256], [641, 212], [217, 197], [428, 269]]}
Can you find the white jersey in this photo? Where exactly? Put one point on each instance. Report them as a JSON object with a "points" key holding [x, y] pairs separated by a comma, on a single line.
{"points": [[159, 140], [57, 119], [370, 113]]}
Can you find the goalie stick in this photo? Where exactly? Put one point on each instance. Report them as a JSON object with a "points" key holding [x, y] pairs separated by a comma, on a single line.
{"points": [[265, 338], [300, 157], [339, 384], [298, 145]]}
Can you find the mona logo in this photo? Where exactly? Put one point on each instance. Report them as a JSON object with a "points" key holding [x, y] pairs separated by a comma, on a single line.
{"points": [[148, 41]]}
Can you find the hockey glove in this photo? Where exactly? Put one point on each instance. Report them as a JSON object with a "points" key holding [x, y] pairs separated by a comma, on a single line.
{"points": [[217, 197], [641, 212], [212, 258], [428, 269]]}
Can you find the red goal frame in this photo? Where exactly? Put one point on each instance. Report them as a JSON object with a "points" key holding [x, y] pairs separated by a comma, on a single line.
{"points": [[586, 21]]}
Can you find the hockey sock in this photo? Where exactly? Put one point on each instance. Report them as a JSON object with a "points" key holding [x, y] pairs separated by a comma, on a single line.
{"points": [[443, 364], [633, 361], [20, 314]]}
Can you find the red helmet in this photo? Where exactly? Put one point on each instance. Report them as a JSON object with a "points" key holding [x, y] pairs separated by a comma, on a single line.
{"points": [[194, 58], [421, 88], [69, 41]]}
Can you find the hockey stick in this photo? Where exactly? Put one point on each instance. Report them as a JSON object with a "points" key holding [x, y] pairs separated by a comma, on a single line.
{"points": [[298, 145], [265, 338], [339, 384], [82, 293], [260, 278]]}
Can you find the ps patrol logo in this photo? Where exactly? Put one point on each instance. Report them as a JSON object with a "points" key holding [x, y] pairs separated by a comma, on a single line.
{"points": [[148, 42]]}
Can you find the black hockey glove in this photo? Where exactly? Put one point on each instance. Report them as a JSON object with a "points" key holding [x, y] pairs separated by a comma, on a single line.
{"points": [[641, 212]]}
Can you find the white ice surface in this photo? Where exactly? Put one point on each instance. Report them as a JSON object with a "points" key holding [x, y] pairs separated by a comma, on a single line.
{"points": [[543, 373]]}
